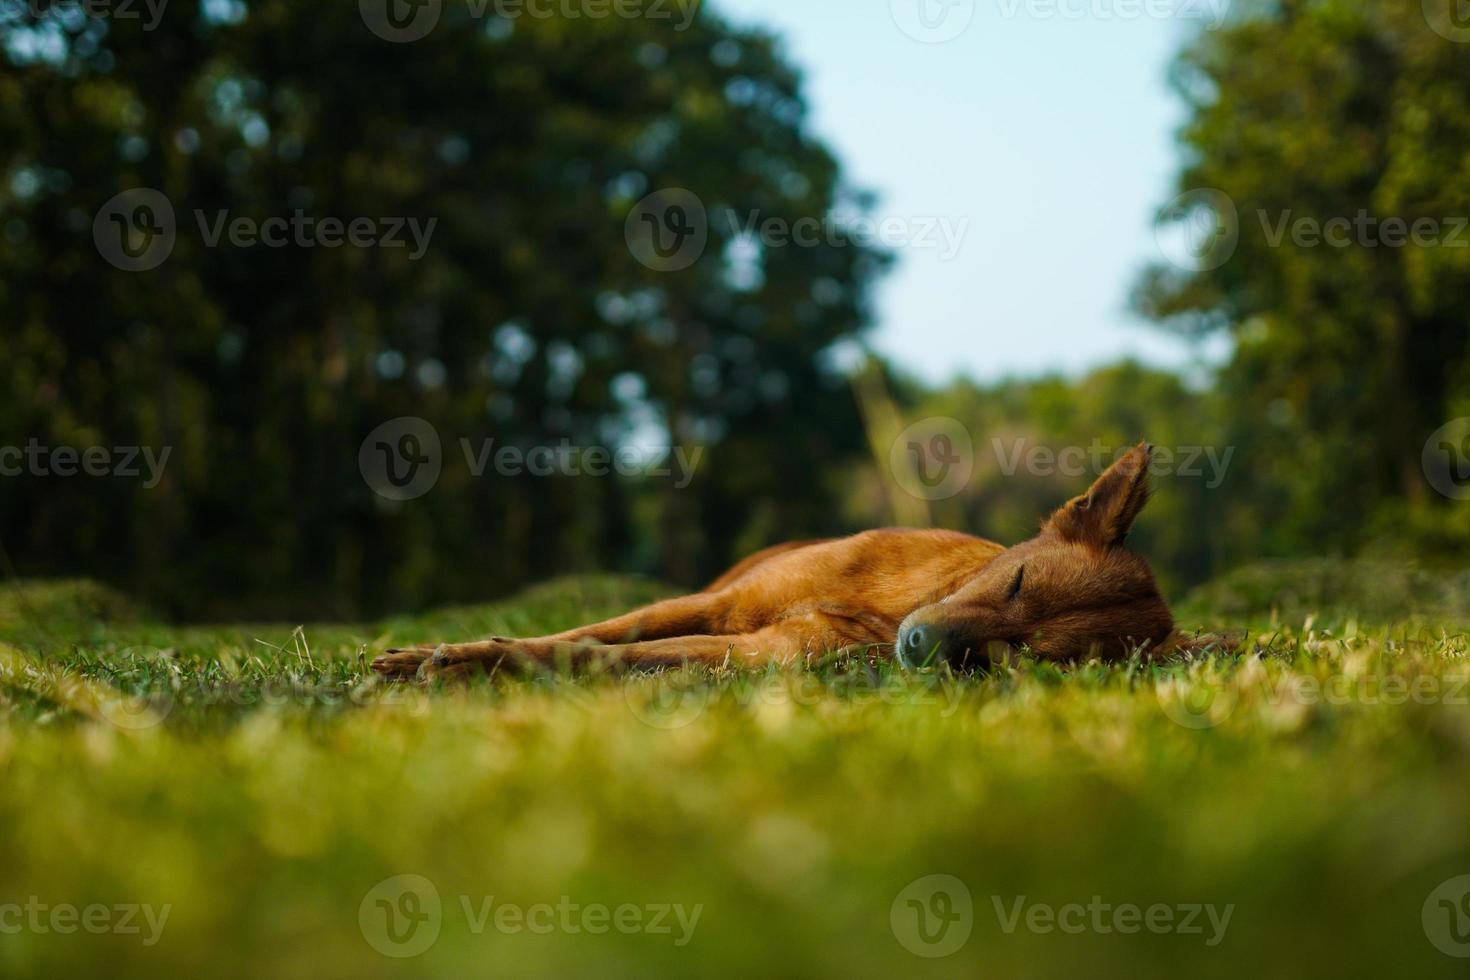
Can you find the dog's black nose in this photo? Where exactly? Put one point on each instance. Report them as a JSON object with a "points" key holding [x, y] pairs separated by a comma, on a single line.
{"points": [[916, 646]]}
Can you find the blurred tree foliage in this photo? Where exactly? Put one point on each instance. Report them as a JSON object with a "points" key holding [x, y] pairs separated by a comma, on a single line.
{"points": [[1038, 442], [1347, 357], [527, 321]]}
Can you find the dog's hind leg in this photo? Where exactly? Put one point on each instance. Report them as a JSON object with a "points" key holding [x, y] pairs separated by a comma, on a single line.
{"points": [[788, 642], [691, 615], [702, 614]]}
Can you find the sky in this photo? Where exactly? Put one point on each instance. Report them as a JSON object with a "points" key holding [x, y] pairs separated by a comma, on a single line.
{"points": [[1040, 133]]}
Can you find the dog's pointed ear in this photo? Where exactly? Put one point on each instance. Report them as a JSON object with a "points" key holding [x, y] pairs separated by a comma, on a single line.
{"points": [[1104, 514]]}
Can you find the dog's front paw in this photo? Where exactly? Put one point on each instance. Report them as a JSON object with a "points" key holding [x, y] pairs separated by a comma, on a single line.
{"points": [[461, 661], [402, 665]]}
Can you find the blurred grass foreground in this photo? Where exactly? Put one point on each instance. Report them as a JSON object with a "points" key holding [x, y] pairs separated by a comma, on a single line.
{"points": [[249, 801]]}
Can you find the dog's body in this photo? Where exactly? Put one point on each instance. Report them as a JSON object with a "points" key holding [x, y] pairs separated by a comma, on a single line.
{"points": [[924, 595]]}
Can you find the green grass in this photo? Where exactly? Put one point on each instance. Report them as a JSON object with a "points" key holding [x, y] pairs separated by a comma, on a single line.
{"points": [[261, 784]]}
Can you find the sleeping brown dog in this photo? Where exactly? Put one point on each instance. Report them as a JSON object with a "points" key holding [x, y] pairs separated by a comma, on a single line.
{"points": [[925, 597]]}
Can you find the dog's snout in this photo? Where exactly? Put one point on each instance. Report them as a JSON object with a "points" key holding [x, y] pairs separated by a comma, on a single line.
{"points": [[918, 645]]}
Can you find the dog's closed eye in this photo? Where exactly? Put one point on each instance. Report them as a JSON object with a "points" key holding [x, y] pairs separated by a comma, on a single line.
{"points": [[1015, 587]]}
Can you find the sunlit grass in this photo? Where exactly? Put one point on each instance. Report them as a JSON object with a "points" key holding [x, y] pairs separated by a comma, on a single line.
{"points": [[259, 782]]}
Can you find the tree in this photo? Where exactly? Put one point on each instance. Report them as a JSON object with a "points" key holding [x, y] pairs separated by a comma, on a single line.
{"points": [[1350, 341], [527, 142]]}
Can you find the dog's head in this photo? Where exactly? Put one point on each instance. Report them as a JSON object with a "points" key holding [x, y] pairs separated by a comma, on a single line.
{"points": [[1071, 592]]}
